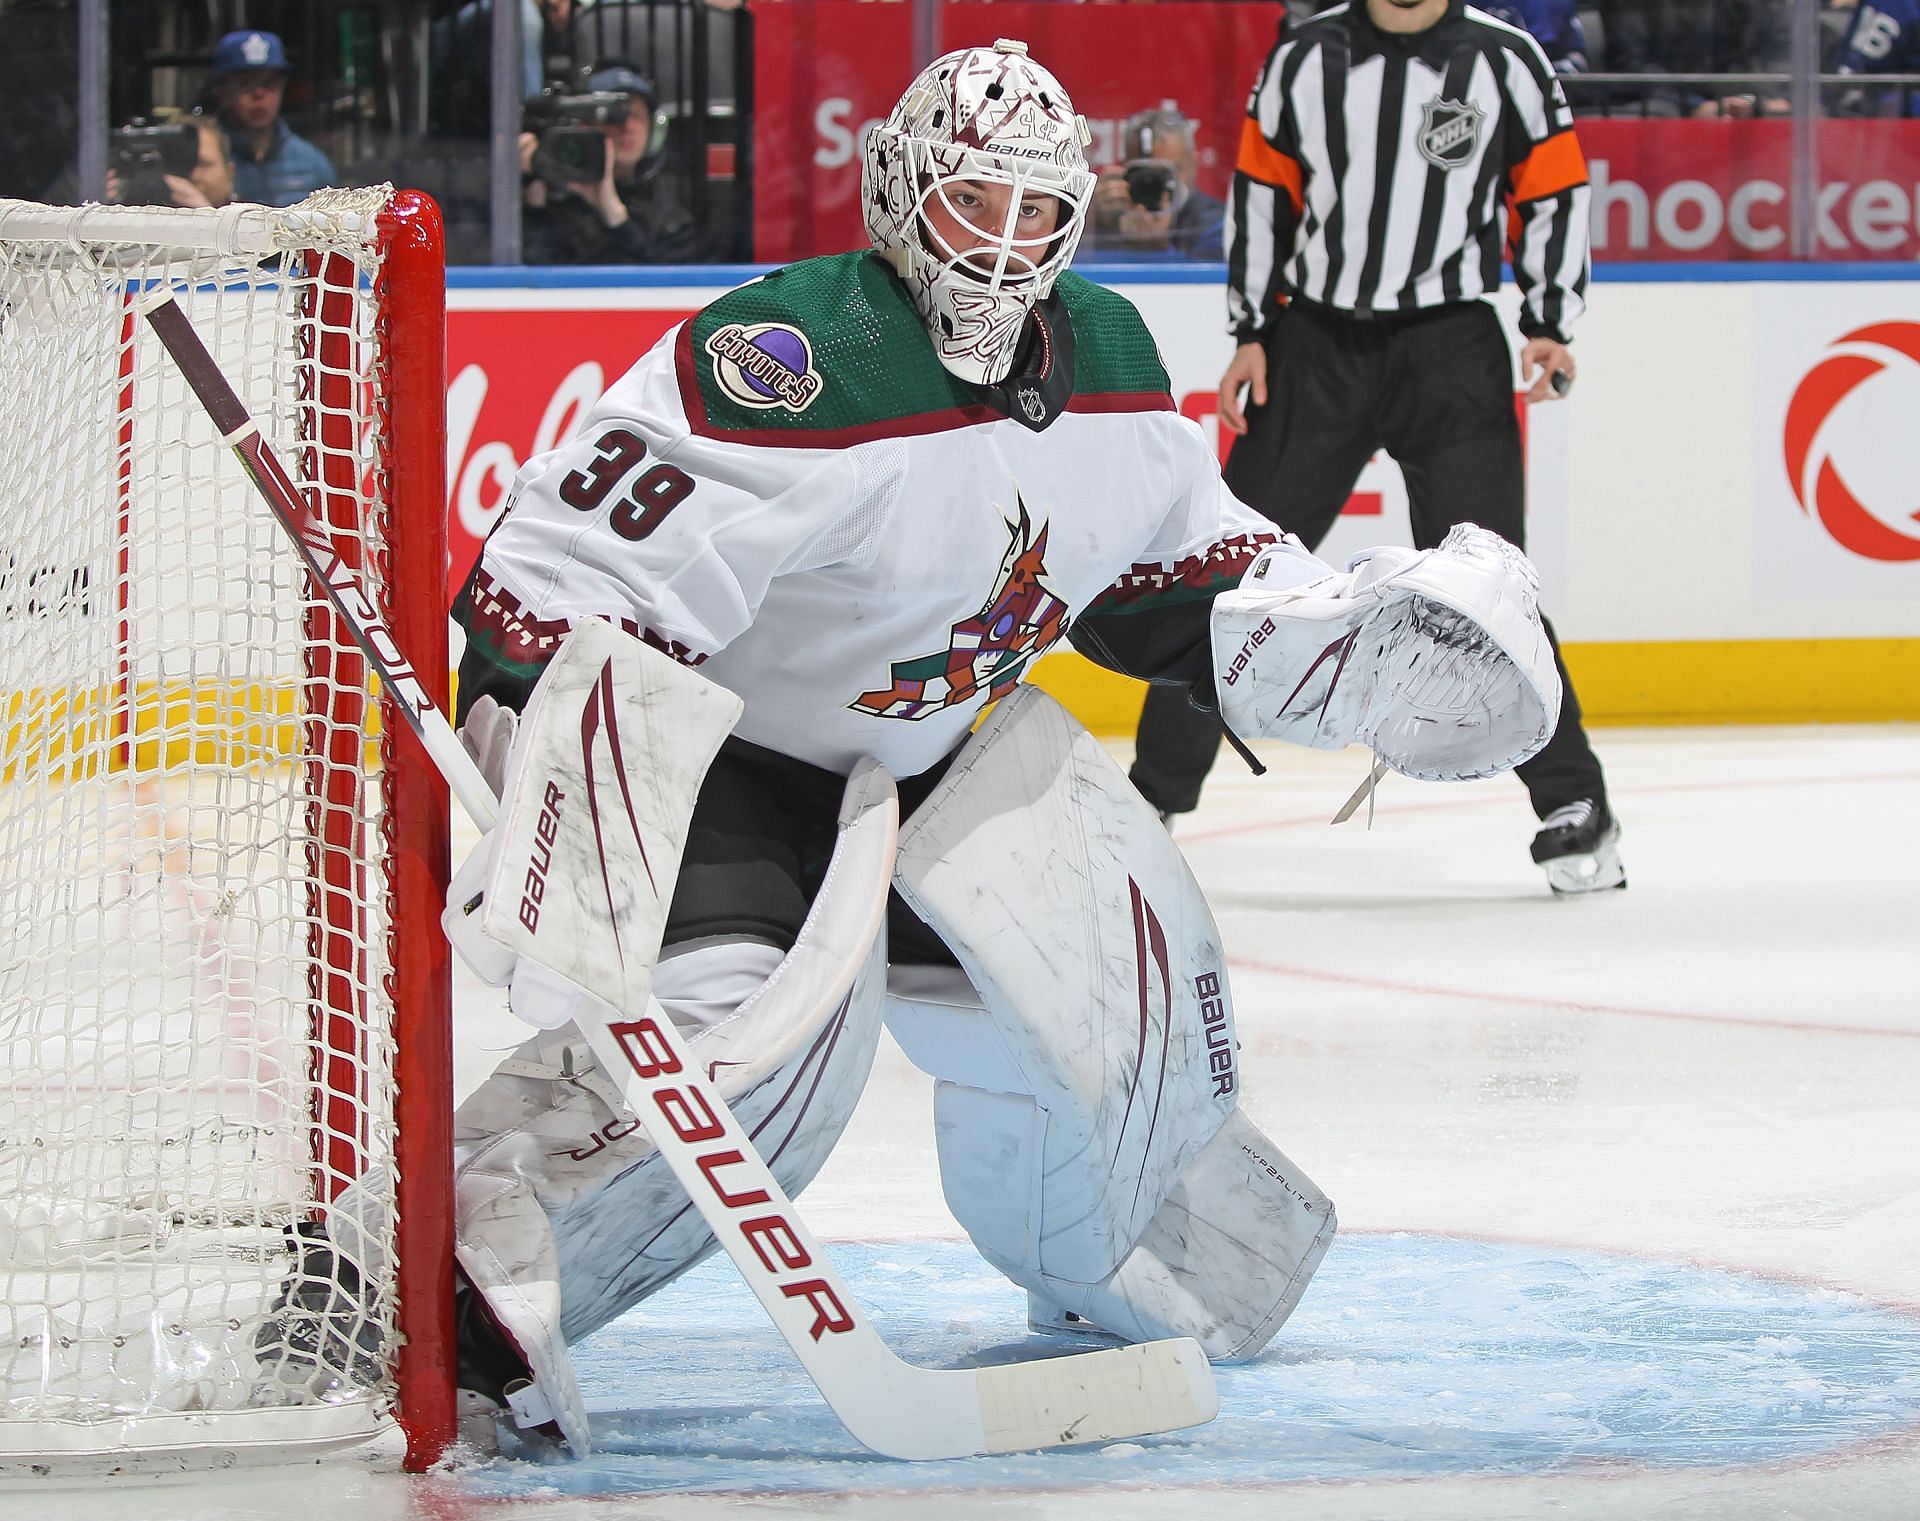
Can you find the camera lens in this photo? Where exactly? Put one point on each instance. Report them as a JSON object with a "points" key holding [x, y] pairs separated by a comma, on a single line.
{"points": [[1148, 185]]}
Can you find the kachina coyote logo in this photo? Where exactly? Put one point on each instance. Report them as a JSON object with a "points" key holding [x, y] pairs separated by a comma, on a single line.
{"points": [[1851, 377], [1448, 131], [1020, 620]]}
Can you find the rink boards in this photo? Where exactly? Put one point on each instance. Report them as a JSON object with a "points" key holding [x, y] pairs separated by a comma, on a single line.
{"points": [[1726, 512]]}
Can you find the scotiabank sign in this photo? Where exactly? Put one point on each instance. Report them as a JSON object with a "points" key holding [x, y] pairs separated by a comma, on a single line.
{"points": [[1720, 189], [827, 70]]}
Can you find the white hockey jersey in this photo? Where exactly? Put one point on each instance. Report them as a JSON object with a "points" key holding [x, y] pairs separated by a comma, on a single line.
{"points": [[791, 493]]}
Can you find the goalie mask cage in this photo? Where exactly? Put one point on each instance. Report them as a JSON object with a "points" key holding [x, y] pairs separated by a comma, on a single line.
{"points": [[223, 988]]}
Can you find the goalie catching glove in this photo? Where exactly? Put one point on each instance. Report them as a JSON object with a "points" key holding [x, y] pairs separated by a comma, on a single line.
{"points": [[1436, 659]]}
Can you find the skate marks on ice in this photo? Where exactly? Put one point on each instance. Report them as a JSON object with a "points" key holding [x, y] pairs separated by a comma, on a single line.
{"points": [[1412, 1357]]}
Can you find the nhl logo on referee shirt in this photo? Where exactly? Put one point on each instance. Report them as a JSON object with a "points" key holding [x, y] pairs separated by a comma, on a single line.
{"points": [[1449, 132]]}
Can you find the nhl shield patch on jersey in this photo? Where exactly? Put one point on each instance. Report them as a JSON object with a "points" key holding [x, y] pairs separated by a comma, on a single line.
{"points": [[1449, 132], [768, 364]]}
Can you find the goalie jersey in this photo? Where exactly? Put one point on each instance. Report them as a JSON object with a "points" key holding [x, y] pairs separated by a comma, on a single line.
{"points": [[791, 493]]}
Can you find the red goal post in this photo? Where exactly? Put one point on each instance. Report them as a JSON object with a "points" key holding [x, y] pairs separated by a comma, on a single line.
{"points": [[224, 995]]}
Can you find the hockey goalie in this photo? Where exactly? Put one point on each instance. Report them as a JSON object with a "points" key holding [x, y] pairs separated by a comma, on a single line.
{"points": [[863, 495]]}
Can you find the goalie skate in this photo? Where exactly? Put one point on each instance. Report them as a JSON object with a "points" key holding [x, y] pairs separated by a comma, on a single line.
{"points": [[1050, 1319], [1579, 848], [317, 1341]]}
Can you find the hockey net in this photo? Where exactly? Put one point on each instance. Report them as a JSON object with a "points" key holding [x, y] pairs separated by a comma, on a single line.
{"points": [[222, 988]]}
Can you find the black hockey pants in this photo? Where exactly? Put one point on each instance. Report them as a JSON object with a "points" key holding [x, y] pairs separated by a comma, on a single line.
{"points": [[762, 832]]}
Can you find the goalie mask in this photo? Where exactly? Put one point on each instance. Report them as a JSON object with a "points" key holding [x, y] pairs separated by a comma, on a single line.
{"points": [[976, 189]]}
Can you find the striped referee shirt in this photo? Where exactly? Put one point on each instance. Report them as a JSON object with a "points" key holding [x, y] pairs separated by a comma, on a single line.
{"points": [[1381, 173]]}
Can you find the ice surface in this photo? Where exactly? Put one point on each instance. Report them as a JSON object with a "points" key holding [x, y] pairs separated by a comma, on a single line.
{"points": [[1629, 1190]]}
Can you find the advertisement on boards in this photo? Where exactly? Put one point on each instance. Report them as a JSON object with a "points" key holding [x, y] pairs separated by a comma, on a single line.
{"points": [[1660, 507], [1836, 486]]}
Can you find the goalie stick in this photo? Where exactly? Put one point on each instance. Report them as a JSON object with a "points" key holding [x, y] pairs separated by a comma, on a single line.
{"points": [[896, 1408]]}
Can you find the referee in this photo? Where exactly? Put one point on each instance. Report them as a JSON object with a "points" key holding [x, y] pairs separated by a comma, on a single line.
{"points": [[1392, 150]]}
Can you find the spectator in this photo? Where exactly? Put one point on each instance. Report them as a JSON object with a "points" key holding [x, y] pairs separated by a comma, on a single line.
{"points": [[462, 53], [1148, 204], [209, 183], [625, 216], [272, 164], [1883, 39], [1698, 37], [1554, 24]]}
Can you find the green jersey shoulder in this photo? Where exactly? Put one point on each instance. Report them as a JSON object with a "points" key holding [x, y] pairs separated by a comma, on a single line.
{"points": [[1115, 355], [831, 352]]}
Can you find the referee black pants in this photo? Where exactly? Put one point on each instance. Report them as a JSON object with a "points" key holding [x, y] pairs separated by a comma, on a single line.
{"points": [[1435, 390]]}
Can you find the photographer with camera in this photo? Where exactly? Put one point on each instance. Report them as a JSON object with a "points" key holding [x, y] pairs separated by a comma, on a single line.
{"points": [[1147, 204], [175, 163], [593, 189]]}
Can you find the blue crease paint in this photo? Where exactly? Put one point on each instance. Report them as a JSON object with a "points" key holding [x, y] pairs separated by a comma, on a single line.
{"points": [[1411, 1357]]}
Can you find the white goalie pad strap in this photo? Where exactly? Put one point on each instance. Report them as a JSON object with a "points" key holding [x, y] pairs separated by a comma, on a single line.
{"points": [[1437, 660], [607, 761], [567, 1216], [1103, 1057], [1225, 1258]]}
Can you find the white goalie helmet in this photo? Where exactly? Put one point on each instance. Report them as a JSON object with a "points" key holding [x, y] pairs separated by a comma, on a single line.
{"points": [[985, 116]]}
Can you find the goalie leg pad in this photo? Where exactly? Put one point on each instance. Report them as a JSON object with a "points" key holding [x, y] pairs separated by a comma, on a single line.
{"points": [[1099, 1057], [566, 1216], [577, 876], [570, 1218], [1225, 1258]]}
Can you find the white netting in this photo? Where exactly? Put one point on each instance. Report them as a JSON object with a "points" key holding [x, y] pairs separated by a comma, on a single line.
{"points": [[195, 1048]]}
